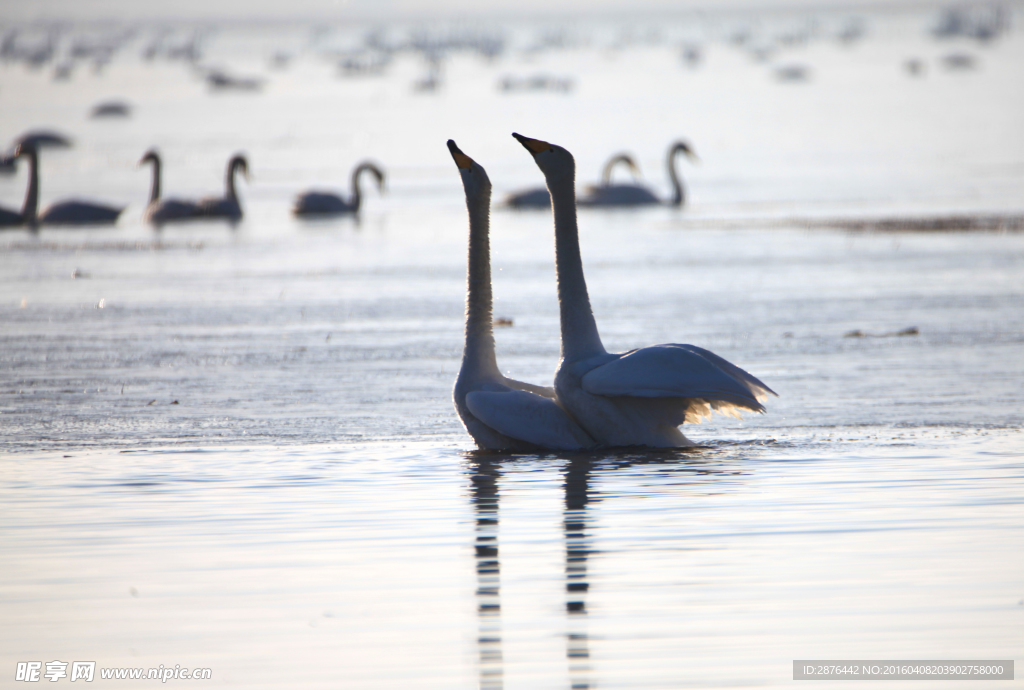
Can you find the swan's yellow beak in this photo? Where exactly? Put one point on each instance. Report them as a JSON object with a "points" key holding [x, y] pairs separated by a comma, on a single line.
{"points": [[463, 161], [532, 145]]}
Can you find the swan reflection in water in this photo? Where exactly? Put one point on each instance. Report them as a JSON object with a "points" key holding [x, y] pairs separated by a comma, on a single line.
{"points": [[485, 472], [575, 524]]}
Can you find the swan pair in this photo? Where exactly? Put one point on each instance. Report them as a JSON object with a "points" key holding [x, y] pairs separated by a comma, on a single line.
{"points": [[599, 399], [607, 194], [538, 197], [160, 211]]}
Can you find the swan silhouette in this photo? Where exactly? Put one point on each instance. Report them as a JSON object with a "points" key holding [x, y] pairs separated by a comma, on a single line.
{"points": [[498, 412], [160, 211], [226, 206], [608, 194], [71, 212], [538, 197], [325, 203], [638, 398], [10, 219]]}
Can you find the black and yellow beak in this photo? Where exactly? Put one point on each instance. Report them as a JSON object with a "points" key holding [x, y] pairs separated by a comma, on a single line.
{"points": [[534, 146], [463, 161]]}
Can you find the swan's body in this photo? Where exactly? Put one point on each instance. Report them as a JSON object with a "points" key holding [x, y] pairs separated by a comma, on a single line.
{"points": [[539, 197], [637, 398], [226, 206], [498, 412], [326, 203], [160, 211], [608, 194], [9, 218], [70, 212]]}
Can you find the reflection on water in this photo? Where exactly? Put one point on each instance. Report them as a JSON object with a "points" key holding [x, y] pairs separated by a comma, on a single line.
{"points": [[576, 524], [484, 473]]}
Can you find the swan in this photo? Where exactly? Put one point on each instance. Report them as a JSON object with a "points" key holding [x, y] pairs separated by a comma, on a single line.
{"points": [[608, 194], [159, 210], [539, 197], [226, 206], [637, 398], [498, 412], [63, 212], [324, 203]]}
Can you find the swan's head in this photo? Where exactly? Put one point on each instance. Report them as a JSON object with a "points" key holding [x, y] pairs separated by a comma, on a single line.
{"points": [[151, 157], [238, 162], [685, 148], [378, 174], [555, 162], [26, 148], [474, 177]]}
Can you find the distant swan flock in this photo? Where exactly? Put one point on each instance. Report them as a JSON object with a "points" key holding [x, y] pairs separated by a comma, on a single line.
{"points": [[599, 399]]}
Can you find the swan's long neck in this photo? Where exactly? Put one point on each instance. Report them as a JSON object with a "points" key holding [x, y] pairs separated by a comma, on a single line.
{"points": [[678, 195], [357, 196], [30, 210], [231, 194], [580, 339], [479, 351], [154, 190]]}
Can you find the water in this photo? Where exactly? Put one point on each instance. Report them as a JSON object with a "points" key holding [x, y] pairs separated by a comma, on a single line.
{"points": [[234, 448]]}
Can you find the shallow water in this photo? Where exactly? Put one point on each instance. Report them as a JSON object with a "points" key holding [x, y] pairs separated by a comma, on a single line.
{"points": [[234, 447]]}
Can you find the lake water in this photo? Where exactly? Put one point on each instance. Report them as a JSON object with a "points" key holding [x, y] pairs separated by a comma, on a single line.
{"points": [[234, 447]]}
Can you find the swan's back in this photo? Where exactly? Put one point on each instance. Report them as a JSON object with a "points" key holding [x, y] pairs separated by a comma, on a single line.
{"points": [[10, 218], [220, 207], [531, 198], [319, 203], [618, 195], [79, 213], [167, 210]]}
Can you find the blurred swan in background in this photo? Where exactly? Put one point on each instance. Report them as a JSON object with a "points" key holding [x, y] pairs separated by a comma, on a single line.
{"points": [[226, 206], [638, 398], [325, 203], [538, 197], [608, 194], [159, 210], [498, 412], [71, 212]]}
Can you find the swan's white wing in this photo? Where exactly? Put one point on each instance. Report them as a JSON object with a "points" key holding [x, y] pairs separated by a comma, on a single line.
{"points": [[527, 417], [682, 371]]}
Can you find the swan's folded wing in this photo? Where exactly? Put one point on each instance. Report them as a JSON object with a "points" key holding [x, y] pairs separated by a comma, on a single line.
{"points": [[682, 371], [756, 386], [527, 417]]}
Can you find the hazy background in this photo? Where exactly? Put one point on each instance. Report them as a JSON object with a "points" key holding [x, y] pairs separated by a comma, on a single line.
{"points": [[400, 9]]}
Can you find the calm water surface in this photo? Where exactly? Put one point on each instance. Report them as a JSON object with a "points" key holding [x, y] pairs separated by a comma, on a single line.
{"points": [[234, 447]]}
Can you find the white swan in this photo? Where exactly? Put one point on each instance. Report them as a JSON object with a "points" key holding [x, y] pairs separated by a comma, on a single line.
{"points": [[538, 197], [160, 211], [226, 206], [608, 194], [498, 412], [325, 203], [63, 212], [638, 398]]}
